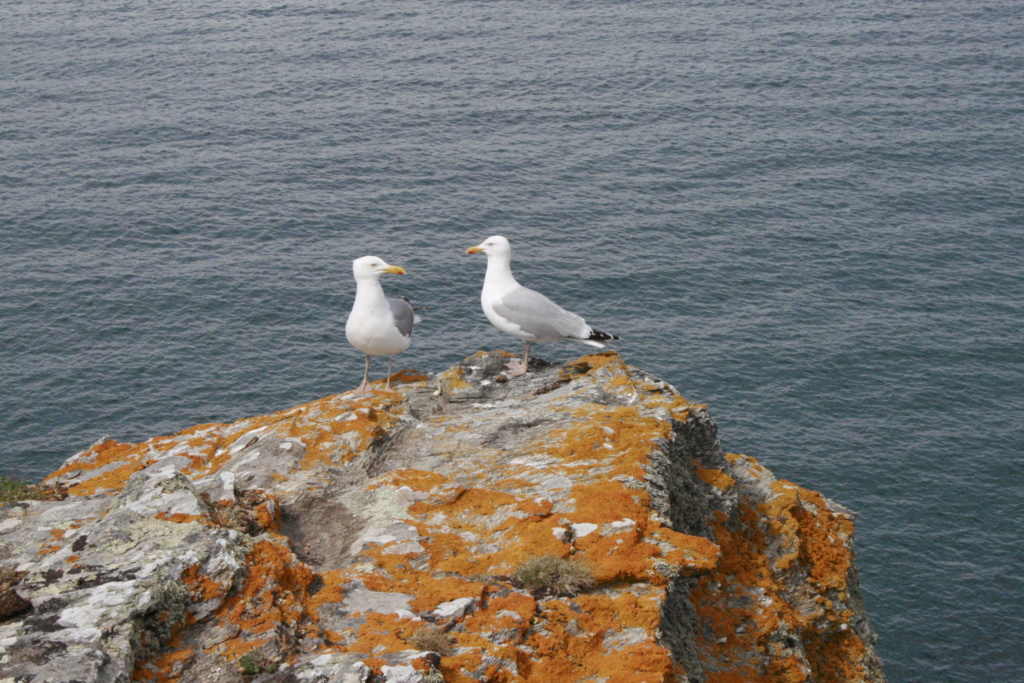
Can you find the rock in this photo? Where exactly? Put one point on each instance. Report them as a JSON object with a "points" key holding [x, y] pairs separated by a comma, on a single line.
{"points": [[373, 537], [401, 674], [453, 609], [11, 604]]}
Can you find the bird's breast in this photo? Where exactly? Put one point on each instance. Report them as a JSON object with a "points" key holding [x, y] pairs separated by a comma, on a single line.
{"points": [[375, 335]]}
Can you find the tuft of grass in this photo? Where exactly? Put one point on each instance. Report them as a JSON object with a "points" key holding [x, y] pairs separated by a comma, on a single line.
{"points": [[251, 665], [549, 575], [430, 639], [14, 488]]}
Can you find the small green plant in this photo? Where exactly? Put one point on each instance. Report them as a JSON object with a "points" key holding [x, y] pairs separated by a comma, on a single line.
{"points": [[430, 639], [14, 488], [251, 665], [549, 575]]}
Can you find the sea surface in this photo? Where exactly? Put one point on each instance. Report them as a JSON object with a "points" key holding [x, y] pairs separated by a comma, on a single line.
{"points": [[807, 214]]}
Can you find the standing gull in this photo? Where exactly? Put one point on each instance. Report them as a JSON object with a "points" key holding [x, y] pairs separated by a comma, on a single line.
{"points": [[377, 325], [524, 313]]}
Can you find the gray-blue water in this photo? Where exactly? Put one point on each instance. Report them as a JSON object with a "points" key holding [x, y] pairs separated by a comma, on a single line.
{"points": [[808, 215]]}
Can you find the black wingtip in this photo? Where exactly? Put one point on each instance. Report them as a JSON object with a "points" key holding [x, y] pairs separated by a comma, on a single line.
{"points": [[598, 335]]}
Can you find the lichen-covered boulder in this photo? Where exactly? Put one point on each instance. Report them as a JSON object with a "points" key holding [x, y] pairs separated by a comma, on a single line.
{"points": [[384, 536]]}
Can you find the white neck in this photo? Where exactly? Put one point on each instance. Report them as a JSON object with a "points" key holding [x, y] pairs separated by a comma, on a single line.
{"points": [[499, 276], [370, 295]]}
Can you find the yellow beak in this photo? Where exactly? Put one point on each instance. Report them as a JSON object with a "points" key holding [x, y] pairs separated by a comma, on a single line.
{"points": [[474, 250], [397, 270]]}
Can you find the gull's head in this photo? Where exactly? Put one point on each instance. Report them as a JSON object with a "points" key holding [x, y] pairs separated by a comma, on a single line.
{"points": [[372, 267], [493, 246]]}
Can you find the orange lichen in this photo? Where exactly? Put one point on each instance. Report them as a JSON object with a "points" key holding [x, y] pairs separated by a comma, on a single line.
{"points": [[56, 535], [767, 545], [453, 380], [836, 656], [716, 478], [694, 554], [417, 480], [114, 480], [470, 502], [541, 507], [504, 613], [209, 447], [268, 515], [165, 667], [783, 669], [429, 591], [180, 517], [273, 595], [99, 455], [634, 611], [445, 521], [723, 598], [454, 668], [511, 483], [368, 417], [382, 633], [568, 642], [332, 590], [620, 557], [629, 436], [407, 377], [234, 649], [595, 361], [822, 546], [202, 587], [523, 538], [527, 530], [603, 501]]}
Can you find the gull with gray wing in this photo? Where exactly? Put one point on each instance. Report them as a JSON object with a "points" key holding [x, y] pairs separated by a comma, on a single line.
{"points": [[523, 312]]}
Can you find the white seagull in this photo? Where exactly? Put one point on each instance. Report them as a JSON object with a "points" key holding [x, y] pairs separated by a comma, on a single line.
{"points": [[377, 325], [524, 313]]}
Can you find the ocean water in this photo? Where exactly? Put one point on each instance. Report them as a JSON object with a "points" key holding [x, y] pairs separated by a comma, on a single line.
{"points": [[809, 215]]}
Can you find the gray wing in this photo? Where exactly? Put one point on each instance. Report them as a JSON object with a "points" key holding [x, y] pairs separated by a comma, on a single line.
{"points": [[404, 315], [540, 316]]}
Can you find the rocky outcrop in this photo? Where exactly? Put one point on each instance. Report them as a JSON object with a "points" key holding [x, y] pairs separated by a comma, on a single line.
{"points": [[382, 537]]}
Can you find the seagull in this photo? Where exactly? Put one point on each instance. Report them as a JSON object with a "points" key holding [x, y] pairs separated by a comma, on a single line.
{"points": [[377, 325], [524, 313]]}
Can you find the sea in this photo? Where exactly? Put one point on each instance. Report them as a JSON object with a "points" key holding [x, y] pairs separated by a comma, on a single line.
{"points": [[807, 214]]}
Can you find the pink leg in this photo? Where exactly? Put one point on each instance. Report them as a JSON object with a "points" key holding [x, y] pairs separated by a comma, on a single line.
{"points": [[517, 369], [365, 386]]}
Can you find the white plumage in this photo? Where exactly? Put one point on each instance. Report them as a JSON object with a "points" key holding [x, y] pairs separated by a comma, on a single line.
{"points": [[523, 312], [377, 325]]}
